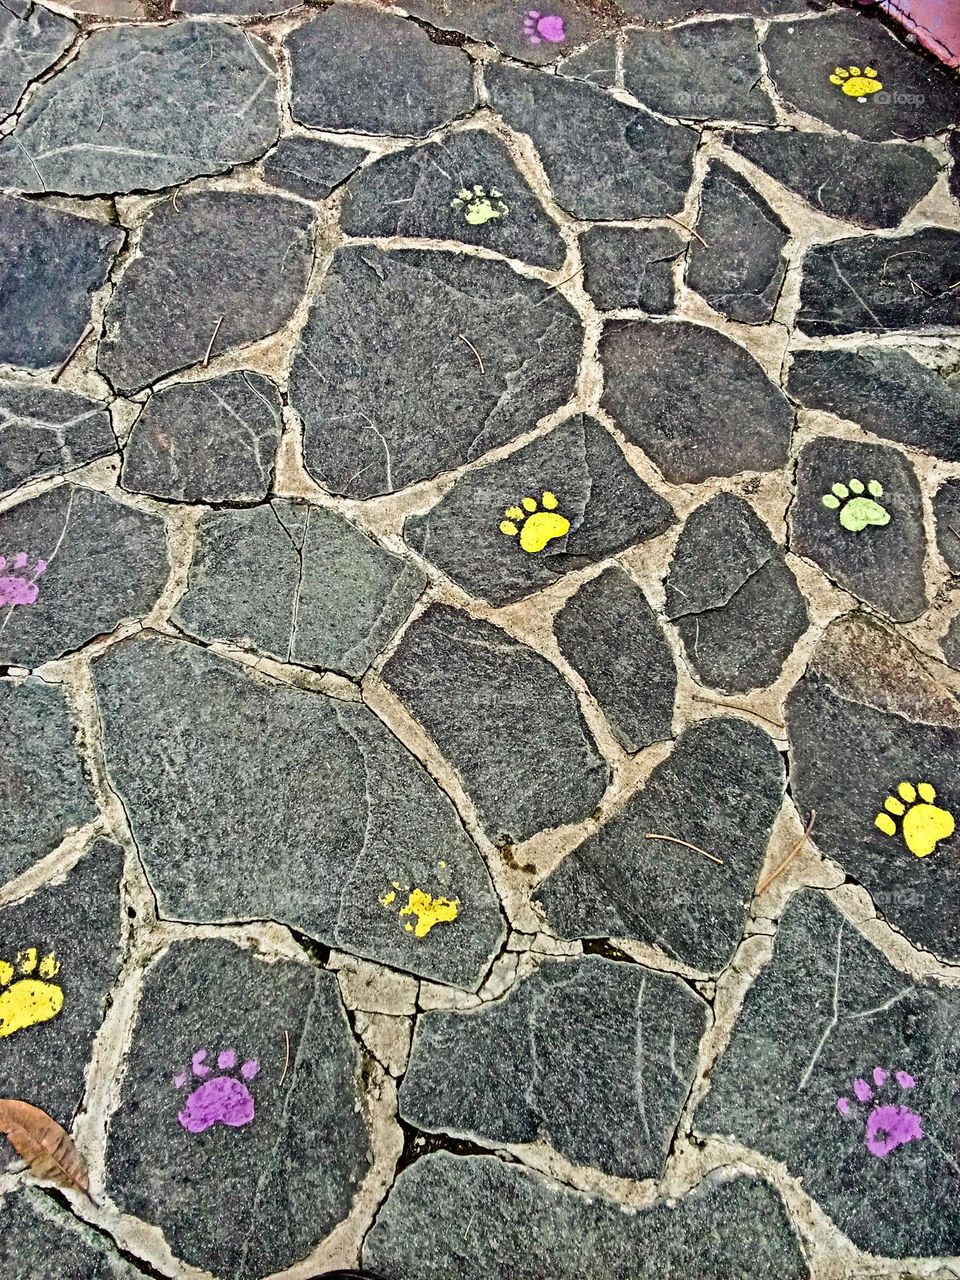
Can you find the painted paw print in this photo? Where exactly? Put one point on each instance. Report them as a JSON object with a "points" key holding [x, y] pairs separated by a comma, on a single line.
{"points": [[427, 911], [18, 579], [888, 1125], [221, 1099], [535, 527], [856, 83], [923, 824], [479, 206], [857, 510], [33, 997], [538, 27]]}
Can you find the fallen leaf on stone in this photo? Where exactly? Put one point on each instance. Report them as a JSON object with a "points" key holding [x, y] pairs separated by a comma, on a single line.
{"points": [[49, 1151]]}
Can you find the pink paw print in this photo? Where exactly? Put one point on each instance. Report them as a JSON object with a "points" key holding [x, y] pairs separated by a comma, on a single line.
{"points": [[538, 27], [221, 1099], [18, 580], [888, 1125]]}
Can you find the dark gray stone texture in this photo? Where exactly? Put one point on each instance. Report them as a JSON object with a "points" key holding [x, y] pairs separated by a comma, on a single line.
{"points": [[504, 718], [630, 268], [229, 258], [389, 391], [31, 40], [607, 505], [310, 167], [597, 63], [46, 432], [146, 107], [234, 8], [514, 29], [954, 179], [669, 10], [619, 1039], [210, 441], [694, 400], [950, 643], [946, 514], [39, 1240]]}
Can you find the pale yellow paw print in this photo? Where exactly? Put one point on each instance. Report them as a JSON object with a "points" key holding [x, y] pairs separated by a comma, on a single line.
{"points": [[479, 205], [923, 824], [856, 83], [427, 911], [535, 527], [30, 999]]}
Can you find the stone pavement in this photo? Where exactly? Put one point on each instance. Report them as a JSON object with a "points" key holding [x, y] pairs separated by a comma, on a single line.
{"points": [[476, 483]]}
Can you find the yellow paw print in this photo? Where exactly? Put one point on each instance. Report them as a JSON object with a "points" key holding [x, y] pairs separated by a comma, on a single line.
{"points": [[856, 83], [923, 823], [428, 911], [535, 527], [30, 999]]}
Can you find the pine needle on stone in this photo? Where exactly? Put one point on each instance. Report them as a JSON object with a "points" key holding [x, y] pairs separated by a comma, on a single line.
{"points": [[649, 835], [794, 853]]}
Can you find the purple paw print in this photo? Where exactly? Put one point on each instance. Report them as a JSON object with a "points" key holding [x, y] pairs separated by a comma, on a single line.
{"points": [[538, 27], [18, 580], [888, 1126], [223, 1099]]}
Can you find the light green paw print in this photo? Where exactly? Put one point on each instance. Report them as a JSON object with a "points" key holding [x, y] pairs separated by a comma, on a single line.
{"points": [[479, 206], [857, 510]]}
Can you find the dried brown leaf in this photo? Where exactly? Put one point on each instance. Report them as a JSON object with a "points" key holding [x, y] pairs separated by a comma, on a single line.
{"points": [[50, 1152]]}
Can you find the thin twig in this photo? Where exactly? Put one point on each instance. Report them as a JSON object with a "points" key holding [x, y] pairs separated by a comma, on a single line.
{"points": [[695, 847], [691, 231], [565, 280], [286, 1060], [768, 879], [213, 338], [953, 531], [463, 338], [733, 706], [73, 350]]}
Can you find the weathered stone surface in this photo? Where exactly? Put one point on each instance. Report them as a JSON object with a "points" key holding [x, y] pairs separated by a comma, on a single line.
{"points": [[610, 635], [884, 391], [624, 267], [31, 39], [239, 1190], [666, 10], [695, 401], [870, 540], [389, 391], [297, 582], [89, 562], [946, 512], [738, 266], [238, 8], [343, 809], [537, 35], [146, 107], [51, 263], [597, 63], [954, 180], [734, 599], [719, 789], [602, 507], [310, 167], [229, 261], [362, 71], [46, 432], [540, 1228], [39, 1240], [950, 643], [212, 441], [599, 1031], [464, 188], [830, 1020], [603, 159], [504, 718]]}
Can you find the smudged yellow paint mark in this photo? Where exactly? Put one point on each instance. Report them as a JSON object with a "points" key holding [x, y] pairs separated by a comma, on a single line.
{"points": [[28, 1000], [429, 912], [388, 898]]}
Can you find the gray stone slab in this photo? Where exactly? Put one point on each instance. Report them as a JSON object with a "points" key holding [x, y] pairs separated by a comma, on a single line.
{"points": [[299, 583], [464, 188], [536, 33], [40, 1240], [363, 843], [950, 643], [31, 40], [835, 1068], [611, 637], [234, 8], [733, 597], [211, 441], [362, 71], [310, 167], [954, 179], [620, 1039], [47, 432], [720, 789], [146, 107], [233, 262], [77, 564], [542, 1228], [667, 10], [626, 267], [391, 393], [946, 513], [51, 263], [559, 503], [597, 63], [858, 514], [504, 718], [239, 1189], [603, 159]]}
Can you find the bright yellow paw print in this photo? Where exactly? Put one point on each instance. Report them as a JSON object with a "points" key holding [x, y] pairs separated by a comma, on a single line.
{"points": [[30, 999], [428, 911], [535, 527], [856, 83], [923, 824]]}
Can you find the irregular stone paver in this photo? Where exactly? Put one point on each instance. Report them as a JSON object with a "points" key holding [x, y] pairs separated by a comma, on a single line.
{"points": [[869, 539], [464, 188], [51, 263], [31, 39], [829, 1019], [719, 789], [738, 265], [665, 10], [212, 441], [702, 71], [602, 507], [88, 563], [228, 261], [310, 167], [610, 635], [625, 267], [619, 1038], [505, 720], [229, 1156], [950, 643], [46, 432], [597, 63], [534, 34], [298, 582], [694, 400], [146, 107], [362, 71], [733, 597], [239, 8], [541, 1228], [389, 391], [946, 512], [602, 158], [884, 391], [42, 1241], [344, 809]]}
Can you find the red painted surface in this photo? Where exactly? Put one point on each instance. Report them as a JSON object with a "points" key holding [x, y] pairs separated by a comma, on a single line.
{"points": [[935, 23]]}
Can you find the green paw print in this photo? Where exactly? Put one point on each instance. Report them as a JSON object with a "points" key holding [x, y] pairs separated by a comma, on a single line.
{"points": [[479, 206], [856, 509]]}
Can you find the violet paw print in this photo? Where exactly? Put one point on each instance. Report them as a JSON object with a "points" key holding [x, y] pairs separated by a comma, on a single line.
{"points": [[889, 1125], [538, 27], [18, 579], [221, 1098]]}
